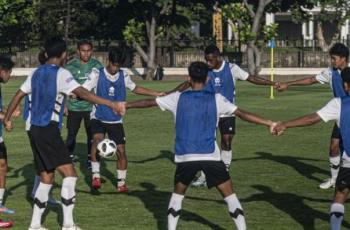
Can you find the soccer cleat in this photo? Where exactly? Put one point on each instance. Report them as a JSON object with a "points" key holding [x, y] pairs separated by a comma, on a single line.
{"points": [[122, 188], [329, 183], [5, 210], [40, 228], [199, 183], [74, 227], [5, 224], [96, 183]]}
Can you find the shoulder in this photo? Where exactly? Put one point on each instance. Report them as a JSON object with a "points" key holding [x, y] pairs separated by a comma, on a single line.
{"points": [[96, 63], [72, 63]]}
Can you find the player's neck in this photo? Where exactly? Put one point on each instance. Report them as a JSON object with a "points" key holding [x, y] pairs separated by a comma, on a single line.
{"points": [[219, 65], [197, 86], [54, 61]]}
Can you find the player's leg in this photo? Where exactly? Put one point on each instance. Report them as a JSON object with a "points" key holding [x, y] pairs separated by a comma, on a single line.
{"points": [[117, 134], [3, 172], [68, 195], [87, 126], [341, 193], [98, 133], [73, 124], [227, 126], [218, 176], [334, 159], [184, 174]]}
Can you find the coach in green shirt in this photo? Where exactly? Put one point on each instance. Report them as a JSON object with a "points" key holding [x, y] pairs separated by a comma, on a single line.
{"points": [[79, 109]]}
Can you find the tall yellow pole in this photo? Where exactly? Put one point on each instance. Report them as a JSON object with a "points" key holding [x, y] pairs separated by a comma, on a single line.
{"points": [[272, 72], [217, 28]]}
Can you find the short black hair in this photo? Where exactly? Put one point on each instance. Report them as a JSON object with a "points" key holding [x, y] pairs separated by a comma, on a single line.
{"points": [[345, 75], [6, 63], [55, 47], [212, 49], [340, 50], [84, 42], [198, 71], [41, 57], [116, 56]]}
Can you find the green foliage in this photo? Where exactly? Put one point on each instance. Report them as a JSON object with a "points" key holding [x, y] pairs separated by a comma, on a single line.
{"points": [[134, 31], [270, 31]]}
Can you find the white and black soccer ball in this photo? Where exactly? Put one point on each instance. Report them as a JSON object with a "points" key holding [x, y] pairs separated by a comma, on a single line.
{"points": [[107, 148]]}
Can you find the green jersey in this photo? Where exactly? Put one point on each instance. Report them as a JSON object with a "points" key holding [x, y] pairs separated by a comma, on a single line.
{"points": [[81, 73]]}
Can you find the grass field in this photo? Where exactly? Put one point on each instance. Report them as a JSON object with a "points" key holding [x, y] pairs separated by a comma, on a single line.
{"points": [[276, 178]]}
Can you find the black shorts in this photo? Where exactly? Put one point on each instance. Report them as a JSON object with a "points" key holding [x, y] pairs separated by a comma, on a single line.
{"points": [[227, 125], [335, 132], [3, 151], [115, 131], [343, 179], [215, 172], [48, 147]]}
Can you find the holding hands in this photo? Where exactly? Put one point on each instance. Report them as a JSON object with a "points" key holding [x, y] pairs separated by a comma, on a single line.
{"points": [[277, 128]]}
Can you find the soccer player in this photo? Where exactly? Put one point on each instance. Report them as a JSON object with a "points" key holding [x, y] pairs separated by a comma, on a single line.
{"points": [[197, 113], [111, 83], [48, 86], [222, 79], [79, 110], [337, 109], [339, 54], [6, 65]]}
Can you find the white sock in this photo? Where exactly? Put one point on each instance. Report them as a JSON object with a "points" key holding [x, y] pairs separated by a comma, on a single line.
{"points": [[68, 200], [2, 192], [236, 211], [35, 185], [174, 210], [40, 200], [334, 163], [337, 214], [226, 157], [201, 176], [95, 168], [121, 176]]}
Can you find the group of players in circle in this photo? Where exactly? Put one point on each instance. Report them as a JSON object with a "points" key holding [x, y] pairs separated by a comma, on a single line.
{"points": [[97, 95]]}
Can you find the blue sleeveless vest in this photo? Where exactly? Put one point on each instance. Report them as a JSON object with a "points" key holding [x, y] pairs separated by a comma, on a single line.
{"points": [[44, 93], [196, 119], [345, 123], [337, 84], [222, 82], [114, 91]]}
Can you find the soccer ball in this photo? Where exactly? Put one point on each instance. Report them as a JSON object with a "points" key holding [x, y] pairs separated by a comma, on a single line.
{"points": [[107, 148]]}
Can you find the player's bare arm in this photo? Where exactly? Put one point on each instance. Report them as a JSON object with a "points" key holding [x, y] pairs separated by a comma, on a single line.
{"points": [[144, 103], [147, 92], [260, 81], [11, 108], [182, 87], [305, 81], [298, 122], [250, 117]]}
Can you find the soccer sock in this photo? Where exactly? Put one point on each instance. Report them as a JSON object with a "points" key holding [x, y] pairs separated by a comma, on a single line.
{"points": [[201, 176], [236, 211], [226, 157], [174, 210], [121, 176], [2, 192], [68, 200], [35, 185], [337, 214], [334, 164], [40, 200], [95, 167]]}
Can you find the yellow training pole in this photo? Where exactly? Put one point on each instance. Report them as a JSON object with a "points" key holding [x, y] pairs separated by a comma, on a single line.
{"points": [[272, 72]]}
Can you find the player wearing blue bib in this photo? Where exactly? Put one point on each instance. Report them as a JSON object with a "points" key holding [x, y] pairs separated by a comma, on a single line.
{"points": [[339, 54], [338, 110], [197, 113]]}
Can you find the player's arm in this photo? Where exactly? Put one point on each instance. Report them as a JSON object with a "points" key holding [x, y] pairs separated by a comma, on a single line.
{"points": [[143, 103], [306, 120], [118, 107], [180, 88], [305, 81], [252, 118], [11, 108], [147, 92], [260, 81]]}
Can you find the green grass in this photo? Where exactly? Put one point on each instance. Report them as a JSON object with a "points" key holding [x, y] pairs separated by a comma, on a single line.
{"points": [[276, 178]]}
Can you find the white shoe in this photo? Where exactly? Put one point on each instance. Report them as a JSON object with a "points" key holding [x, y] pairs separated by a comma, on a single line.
{"points": [[199, 183], [329, 183], [74, 227], [41, 228]]}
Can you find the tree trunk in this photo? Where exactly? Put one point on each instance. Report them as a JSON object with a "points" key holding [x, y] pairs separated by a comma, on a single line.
{"points": [[321, 40]]}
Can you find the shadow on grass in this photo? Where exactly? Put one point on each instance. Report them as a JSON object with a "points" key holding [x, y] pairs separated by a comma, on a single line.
{"points": [[293, 205], [305, 169], [164, 154]]}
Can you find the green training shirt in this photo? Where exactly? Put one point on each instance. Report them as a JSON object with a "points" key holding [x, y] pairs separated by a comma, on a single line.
{"points": [[80, 73]]}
